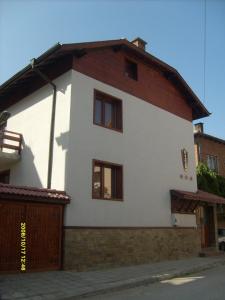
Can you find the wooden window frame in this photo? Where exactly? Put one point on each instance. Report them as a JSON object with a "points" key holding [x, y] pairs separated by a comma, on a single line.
{"points": [[217, 162], [106, 98], [106, 164], [130, 61]]}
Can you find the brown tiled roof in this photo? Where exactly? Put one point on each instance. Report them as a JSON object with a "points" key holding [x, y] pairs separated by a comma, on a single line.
{"points": [[198, 196], [25, 193], [209, 137], [65, 51]]}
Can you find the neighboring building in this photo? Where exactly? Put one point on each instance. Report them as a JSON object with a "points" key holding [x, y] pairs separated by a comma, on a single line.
{"points": [[210, 150], [123, 149]]}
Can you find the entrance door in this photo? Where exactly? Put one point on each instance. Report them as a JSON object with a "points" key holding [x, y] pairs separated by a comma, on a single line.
{"points": [[43, 235], [209, 227]]}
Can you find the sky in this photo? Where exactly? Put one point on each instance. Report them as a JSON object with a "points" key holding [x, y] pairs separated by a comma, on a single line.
{"points": [[187, 34]]}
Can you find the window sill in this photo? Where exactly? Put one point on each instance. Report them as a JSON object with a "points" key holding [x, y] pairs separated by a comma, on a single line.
{"points": [[133, 79], [113, 199], [114, 129]]}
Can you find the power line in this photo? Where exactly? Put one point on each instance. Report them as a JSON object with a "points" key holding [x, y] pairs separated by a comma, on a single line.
{"points": [[204, 54]]}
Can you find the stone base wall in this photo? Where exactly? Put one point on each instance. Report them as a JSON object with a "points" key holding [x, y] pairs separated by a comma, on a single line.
{"points": [[96, 248]]}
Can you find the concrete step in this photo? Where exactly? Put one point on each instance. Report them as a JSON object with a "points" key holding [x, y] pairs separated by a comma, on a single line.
{"points": [[211, 251]]}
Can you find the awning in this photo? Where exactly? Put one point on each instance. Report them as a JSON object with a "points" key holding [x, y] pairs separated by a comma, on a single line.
{"points": [[186, 202], [26, 193]]}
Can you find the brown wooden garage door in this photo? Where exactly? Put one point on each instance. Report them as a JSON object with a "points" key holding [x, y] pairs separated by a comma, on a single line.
{"points": [[43, 235]]}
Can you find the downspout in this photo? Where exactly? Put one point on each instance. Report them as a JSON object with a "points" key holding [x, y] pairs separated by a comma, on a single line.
{"points": [[52, 126]]}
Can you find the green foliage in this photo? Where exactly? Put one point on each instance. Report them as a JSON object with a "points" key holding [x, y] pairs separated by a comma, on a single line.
{"points": [[209, 181]]}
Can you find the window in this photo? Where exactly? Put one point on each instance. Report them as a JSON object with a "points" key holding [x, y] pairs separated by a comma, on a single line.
{"points": [[107, 111], [131, 69], [212, 163], [107, 181], [4, 176]]}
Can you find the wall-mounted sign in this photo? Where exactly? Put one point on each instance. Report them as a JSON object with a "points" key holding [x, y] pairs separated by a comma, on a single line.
{"points": [[184, 156]]}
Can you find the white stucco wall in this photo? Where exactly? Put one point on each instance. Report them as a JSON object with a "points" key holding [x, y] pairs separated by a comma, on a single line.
{"points": [[184, 220], [149, 150], [31, 117]]}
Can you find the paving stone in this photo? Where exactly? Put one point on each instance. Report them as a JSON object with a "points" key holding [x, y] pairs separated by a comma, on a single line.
{"points": [[36, 298], [49, 297], [6, 297], [64, 284], [16, 295]]}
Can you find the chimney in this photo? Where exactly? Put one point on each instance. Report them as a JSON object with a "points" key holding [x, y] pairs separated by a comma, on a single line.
{"points": [[199, 128], [139, 43]]}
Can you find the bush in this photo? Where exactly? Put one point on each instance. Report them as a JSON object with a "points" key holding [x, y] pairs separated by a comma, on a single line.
{"points": [[209, 181]]}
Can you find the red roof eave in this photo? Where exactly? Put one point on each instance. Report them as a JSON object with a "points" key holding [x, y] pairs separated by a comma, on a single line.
{"points": [[200, 195], [33, 194]]}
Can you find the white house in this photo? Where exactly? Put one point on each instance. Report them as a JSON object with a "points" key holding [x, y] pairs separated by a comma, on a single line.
{"points": [[118, 141]]}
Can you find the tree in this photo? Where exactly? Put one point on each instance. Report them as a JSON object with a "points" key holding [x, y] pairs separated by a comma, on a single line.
{"points": [[209, 181]]}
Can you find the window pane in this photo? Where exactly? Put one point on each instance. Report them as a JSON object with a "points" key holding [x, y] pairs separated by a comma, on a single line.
{"points": [[108, 115], [98, 111], [208, 162], [97, 182], [107, 111], [212, 163], [131, 69], [215, 167], [107, 183]]}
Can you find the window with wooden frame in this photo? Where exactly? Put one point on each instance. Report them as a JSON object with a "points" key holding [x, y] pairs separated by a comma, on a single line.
{"points": [[107, 111], [212, 163], [131, 69], [107, 181]]}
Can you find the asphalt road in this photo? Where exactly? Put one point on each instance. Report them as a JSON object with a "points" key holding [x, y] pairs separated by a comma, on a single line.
{"points": [[207, 285]]}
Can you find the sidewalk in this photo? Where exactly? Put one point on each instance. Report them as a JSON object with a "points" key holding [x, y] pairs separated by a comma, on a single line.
{"points": [[73, 285]]}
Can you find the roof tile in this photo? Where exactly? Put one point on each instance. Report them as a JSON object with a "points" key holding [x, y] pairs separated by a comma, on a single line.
{"points": [[32, 193]]}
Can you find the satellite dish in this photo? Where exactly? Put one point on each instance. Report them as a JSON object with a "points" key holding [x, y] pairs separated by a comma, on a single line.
{"points": [[4, 116]]}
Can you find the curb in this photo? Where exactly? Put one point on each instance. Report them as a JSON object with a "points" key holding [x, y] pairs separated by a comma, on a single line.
{"points": [[132, 283]]}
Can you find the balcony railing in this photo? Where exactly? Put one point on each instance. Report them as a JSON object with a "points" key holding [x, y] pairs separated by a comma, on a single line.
{"points": [[10, 142]]}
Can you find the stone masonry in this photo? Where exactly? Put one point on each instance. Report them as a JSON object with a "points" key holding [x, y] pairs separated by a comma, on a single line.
{"points": [[97, 248]]}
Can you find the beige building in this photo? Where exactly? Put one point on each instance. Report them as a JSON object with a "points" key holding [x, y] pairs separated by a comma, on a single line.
{"points": [[210, 150]]}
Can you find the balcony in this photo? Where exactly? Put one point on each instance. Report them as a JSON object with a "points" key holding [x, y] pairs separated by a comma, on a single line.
{"points": [[10, 148]]}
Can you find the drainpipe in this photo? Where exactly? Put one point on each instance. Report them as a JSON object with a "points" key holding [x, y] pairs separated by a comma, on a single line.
{"points": [[52, 126]]}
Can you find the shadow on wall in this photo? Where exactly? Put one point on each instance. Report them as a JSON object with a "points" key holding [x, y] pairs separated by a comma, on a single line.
{"points": [[63, 142], [25, 172]]}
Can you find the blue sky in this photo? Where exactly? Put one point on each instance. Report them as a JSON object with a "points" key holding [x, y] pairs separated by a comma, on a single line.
{"points": [[174, 30]]}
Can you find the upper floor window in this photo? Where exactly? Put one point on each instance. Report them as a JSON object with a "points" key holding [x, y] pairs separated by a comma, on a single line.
{"points": [[107, 181], [107, 111], [212, 163], [131, 69]]}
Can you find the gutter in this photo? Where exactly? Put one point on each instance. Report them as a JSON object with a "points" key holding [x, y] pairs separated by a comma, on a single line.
{"points": [[52, 126], [28, 67]]}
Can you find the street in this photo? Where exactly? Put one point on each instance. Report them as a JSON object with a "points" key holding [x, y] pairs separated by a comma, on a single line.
{"points": [[207, 285]]}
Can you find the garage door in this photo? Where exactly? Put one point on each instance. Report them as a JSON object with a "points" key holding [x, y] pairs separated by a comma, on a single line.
{"points": [[36, 243]]}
